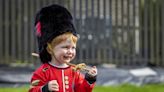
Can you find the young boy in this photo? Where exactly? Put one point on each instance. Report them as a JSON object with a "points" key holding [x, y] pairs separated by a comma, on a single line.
{"points": [[57, 40]]}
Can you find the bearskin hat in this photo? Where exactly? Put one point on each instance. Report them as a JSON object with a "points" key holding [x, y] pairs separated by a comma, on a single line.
{"points": [[50, 22]]}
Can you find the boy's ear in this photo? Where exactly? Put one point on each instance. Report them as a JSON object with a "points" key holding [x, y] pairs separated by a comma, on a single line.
{"points": [[49, 48], [49, 51]]}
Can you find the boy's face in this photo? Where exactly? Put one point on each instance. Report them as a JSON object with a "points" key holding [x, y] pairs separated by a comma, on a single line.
{"points": [[64, 51]]}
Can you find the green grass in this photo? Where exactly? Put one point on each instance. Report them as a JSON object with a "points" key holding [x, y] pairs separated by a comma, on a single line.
{"points": [[22, 89], [120, 88], [130, 88]]}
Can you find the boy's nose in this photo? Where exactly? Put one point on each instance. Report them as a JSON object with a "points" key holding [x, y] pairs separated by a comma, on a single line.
{"points": [[70, 50]]}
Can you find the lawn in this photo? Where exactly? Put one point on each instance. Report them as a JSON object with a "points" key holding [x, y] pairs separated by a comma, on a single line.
{"points": [[22, 89], [120, 88], [131, 88]]}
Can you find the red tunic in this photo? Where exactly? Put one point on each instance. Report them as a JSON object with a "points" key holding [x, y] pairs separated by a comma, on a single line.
{"points": [[67, 78]]}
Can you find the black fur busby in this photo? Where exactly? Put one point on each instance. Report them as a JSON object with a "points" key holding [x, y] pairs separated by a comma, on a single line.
{"points": [[52, 21]]}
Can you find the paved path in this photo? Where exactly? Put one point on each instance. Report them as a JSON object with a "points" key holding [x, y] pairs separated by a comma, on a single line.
{"points": [[17, 76]]}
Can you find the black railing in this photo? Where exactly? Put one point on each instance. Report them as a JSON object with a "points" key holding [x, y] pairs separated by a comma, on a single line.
{"points": [[122, 32]]}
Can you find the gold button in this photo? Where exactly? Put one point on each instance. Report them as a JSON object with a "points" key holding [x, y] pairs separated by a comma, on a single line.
{"points": [[66, 86], [66, 77], [66, 82]]}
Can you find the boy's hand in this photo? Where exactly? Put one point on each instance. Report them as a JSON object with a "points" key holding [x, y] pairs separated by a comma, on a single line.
{"points": [[93, 71], [53, 86]]}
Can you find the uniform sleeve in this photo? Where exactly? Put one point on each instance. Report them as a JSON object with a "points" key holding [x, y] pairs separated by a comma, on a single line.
{"points": [[82, 84], [38, 82]]}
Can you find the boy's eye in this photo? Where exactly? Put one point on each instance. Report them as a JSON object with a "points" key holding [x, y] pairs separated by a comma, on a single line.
{"points": [[67, 47], [73, 47]]}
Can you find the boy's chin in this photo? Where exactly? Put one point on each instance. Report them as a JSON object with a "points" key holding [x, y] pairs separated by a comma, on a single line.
{"points": [[66, 61]]}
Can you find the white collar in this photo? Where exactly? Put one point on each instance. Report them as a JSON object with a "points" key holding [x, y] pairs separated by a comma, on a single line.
{"points": [[59, 66]]}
